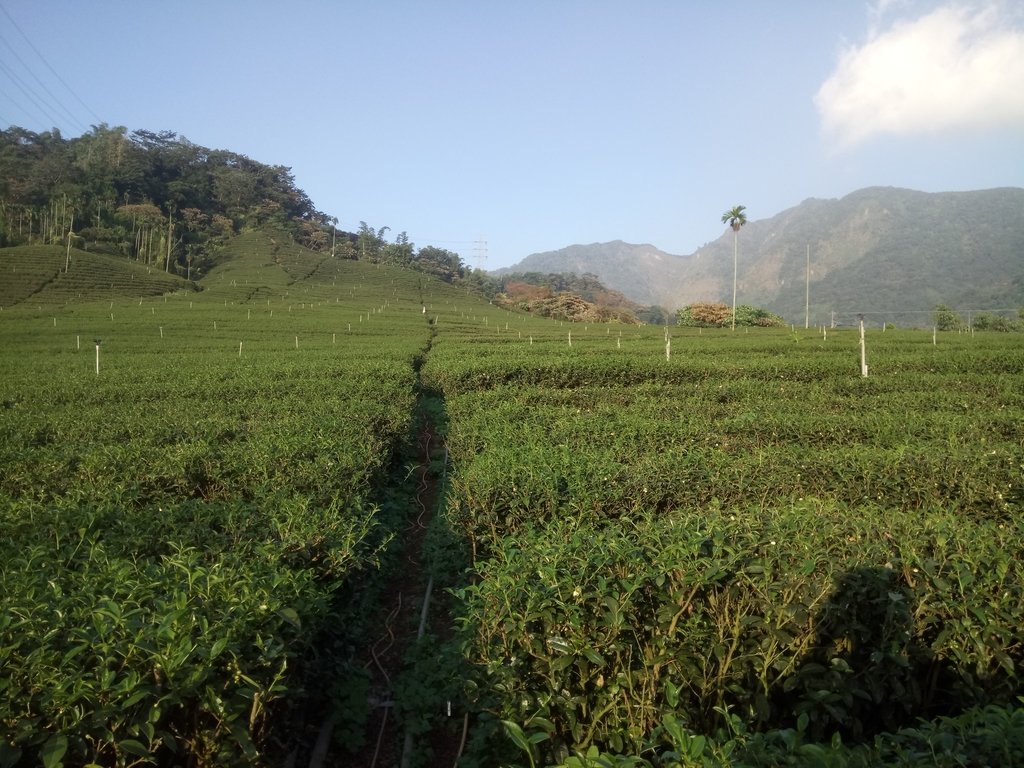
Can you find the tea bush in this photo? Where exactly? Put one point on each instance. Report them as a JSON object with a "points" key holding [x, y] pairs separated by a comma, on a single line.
{"points": [[747, 528]]}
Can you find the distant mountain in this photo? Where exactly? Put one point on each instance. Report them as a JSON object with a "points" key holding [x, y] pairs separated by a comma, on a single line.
{"points": [[638, 271], [878, 250]]}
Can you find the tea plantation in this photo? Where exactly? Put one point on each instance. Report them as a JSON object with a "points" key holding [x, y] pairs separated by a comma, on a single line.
{"points": [[654, 547]]}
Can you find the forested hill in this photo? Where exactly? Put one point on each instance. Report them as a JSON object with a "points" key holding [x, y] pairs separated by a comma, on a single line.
{"points": [[879, 249], [159, 199], [154, 196]]}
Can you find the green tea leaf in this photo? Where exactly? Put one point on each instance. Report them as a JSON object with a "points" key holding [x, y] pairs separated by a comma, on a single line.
{"points": [[53, 751], [133, 747]]}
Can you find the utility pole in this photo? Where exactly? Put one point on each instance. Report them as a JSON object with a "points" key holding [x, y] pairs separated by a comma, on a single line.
{"points": [[735, 262]]}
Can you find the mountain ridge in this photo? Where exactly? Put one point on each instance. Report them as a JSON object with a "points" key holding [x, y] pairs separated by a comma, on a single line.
{"points": [[877, 249]]}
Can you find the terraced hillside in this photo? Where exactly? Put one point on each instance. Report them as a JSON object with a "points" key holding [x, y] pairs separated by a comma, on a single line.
{"points": [[36, 273]]}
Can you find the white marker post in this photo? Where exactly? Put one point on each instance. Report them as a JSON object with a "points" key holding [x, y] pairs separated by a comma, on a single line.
{"points": [[863, 351]]}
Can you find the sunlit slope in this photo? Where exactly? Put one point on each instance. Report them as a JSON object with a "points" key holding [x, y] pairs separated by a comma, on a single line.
{"points": [[36, 273], [266, 294], [265, 271]]}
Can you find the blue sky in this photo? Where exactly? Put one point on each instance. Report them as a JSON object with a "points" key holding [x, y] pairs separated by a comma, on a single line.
{"points": [[537, 125]]}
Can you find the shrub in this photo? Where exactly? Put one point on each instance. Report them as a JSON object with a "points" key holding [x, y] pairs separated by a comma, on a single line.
{"points": [[718, 315]]}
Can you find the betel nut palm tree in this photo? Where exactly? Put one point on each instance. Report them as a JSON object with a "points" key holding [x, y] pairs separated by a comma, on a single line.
{"points": [[735, 217]]}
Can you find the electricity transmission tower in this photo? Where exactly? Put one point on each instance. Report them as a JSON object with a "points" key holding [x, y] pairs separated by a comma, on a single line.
{"points": [[480, 252]]}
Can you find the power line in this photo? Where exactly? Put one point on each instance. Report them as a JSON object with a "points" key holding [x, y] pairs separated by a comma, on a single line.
{"points": [[42, 85], [450, 242], [20, 85], [46, 63]]}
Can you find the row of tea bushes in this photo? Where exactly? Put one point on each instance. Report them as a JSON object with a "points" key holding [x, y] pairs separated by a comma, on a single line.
{"points": [[750, 529], [182, 529]]}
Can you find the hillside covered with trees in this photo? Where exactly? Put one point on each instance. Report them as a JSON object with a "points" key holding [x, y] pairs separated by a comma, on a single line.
{"points": [[158, 198]]}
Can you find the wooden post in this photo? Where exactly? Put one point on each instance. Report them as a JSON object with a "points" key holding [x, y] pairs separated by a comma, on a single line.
{"points": [[67, 259], [170, 235]]}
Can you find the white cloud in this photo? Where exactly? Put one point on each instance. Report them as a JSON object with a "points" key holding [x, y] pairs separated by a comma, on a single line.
{"points": [[959, 67]]}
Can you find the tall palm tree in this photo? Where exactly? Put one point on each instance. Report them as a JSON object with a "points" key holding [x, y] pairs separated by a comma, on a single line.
{"points": [[735, 217]]}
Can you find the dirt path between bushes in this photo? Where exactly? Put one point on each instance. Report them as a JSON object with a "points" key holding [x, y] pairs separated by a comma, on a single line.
{"points": [[401, 608]]}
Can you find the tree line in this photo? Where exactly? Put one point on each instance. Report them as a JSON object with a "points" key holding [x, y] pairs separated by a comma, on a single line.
{"points": [[152, 196], [159, 198], [947, 319]]}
